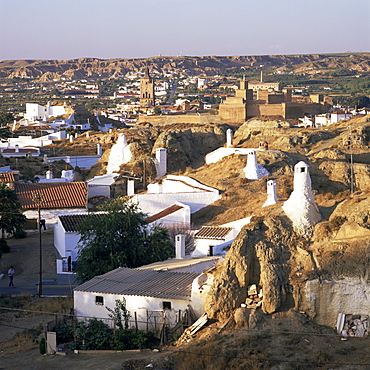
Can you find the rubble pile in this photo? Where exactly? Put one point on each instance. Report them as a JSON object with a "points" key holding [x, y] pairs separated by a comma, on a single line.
{"points": [[356, 326], [254, 299], [349, 325]]}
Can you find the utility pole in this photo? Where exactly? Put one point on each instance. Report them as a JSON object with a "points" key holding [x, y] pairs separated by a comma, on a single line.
{"points": [[37, 198]]}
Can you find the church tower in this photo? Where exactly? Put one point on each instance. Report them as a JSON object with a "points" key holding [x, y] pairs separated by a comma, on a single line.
{"points": [[147, 97]]}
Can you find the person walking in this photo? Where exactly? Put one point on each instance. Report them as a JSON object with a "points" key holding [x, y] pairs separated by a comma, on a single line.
{"points": [[11, 273]]}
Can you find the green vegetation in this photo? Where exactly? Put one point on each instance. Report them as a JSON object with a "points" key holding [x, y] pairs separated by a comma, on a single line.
{"points": [[96, 335], [11, 217], [119, 237]]}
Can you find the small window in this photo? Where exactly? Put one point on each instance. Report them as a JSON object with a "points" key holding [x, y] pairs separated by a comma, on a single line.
{"points": [[99, 300], [166, 305]]}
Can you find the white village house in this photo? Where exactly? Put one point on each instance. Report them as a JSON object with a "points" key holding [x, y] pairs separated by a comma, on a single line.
{"points": [[172, 189], [55, 198], [66, 236], [158, 293]]}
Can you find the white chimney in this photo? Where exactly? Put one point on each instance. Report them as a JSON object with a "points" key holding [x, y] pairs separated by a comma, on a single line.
{"points": [[161, 162], [271, 193], [180, 246], [16, 148], [71, 138], [49, 175], [301, 207], [130, 187], [87, 134], [76, 134], [229, 138], [252, 170], [99, 149]]}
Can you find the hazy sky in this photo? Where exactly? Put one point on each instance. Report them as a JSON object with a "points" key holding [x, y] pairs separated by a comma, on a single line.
{"points": [[66, 29]]}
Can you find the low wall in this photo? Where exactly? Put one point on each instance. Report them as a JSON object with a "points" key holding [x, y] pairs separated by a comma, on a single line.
{"points": [[180, 118]]}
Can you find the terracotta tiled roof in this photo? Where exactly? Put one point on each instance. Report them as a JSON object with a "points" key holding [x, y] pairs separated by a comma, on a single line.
{"points": [[163, 213], [212, 232], [71, 223], [54, 195], [6, 177], [147, 283]]}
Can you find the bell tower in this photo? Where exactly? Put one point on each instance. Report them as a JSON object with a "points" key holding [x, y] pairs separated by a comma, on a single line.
{"points": [[147, 97]]}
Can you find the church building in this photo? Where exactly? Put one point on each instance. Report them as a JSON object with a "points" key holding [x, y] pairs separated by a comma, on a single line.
{"points": [[147, 97]]}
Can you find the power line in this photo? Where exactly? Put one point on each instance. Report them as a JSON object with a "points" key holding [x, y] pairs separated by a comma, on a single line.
{"points": [[206, 327]]}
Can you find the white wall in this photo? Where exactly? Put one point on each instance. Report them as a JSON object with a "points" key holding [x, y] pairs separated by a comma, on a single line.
{"points": [[84, 305], [220, 153], [51, 215], [154, 203]]}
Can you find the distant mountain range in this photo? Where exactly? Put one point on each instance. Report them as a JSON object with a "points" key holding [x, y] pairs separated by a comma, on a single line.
{"points": [[49, 70]]}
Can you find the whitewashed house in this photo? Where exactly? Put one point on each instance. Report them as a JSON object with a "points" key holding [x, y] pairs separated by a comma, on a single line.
{"points": [[101, 185], [153, 297], [36, 112], [155, 294], [55, 198], [208, 238], [172, 189], [212, 240]]}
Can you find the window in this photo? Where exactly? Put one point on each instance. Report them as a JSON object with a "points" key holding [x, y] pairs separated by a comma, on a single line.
{"points": [[99, 300], [166, 305]]}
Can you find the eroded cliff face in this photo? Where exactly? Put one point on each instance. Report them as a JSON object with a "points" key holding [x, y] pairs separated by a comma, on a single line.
{"points": [[322, 276], [266, 253]]}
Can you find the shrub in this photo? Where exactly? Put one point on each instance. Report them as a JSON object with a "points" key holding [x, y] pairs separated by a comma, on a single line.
{"points": [[132, 339], [20, 234], [4, 247], [64, 333], [42, 346]]}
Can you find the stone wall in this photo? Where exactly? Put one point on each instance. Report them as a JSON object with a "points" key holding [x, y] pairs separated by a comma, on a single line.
{"points": [[181, 118]]}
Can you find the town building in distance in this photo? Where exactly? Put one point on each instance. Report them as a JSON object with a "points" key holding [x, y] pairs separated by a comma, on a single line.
{"points": [[147, 97]]}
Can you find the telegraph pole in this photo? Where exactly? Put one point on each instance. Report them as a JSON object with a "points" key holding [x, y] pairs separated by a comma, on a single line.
{"points": [[37, 198]]}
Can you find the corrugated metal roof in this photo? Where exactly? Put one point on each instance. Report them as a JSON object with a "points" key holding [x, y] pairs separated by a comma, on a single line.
{"points": [[163, 213], [147, 283], [54, 195], [212, 232]]}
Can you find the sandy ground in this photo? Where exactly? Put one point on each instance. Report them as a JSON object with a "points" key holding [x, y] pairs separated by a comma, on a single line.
{"points": [[32, 360]]}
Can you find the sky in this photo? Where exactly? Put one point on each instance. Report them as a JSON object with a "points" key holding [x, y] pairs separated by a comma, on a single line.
{"points": [[68, 29]]}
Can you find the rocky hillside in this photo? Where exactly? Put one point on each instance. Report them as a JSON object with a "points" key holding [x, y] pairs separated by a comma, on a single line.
{"points": [[48, 70]]}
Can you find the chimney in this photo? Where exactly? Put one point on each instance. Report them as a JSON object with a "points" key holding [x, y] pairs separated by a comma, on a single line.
{"points": [[87, 134], [180, 246], [99, 150], [71, 138], [49, 175], [161, 162], [130, 187], [271, 193], [16, 148], [229, 138]]}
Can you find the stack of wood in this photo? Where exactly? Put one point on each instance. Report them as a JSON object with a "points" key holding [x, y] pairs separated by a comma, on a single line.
{"points": [[254, 299], [188, 334]]}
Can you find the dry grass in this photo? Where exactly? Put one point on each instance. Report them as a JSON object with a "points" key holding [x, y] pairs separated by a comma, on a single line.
{"points": [[346, 259]]}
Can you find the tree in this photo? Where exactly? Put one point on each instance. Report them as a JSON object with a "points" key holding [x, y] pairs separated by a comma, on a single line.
{"points": [[11, 218], [119, 237], [157, 110], [5, 119]]}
